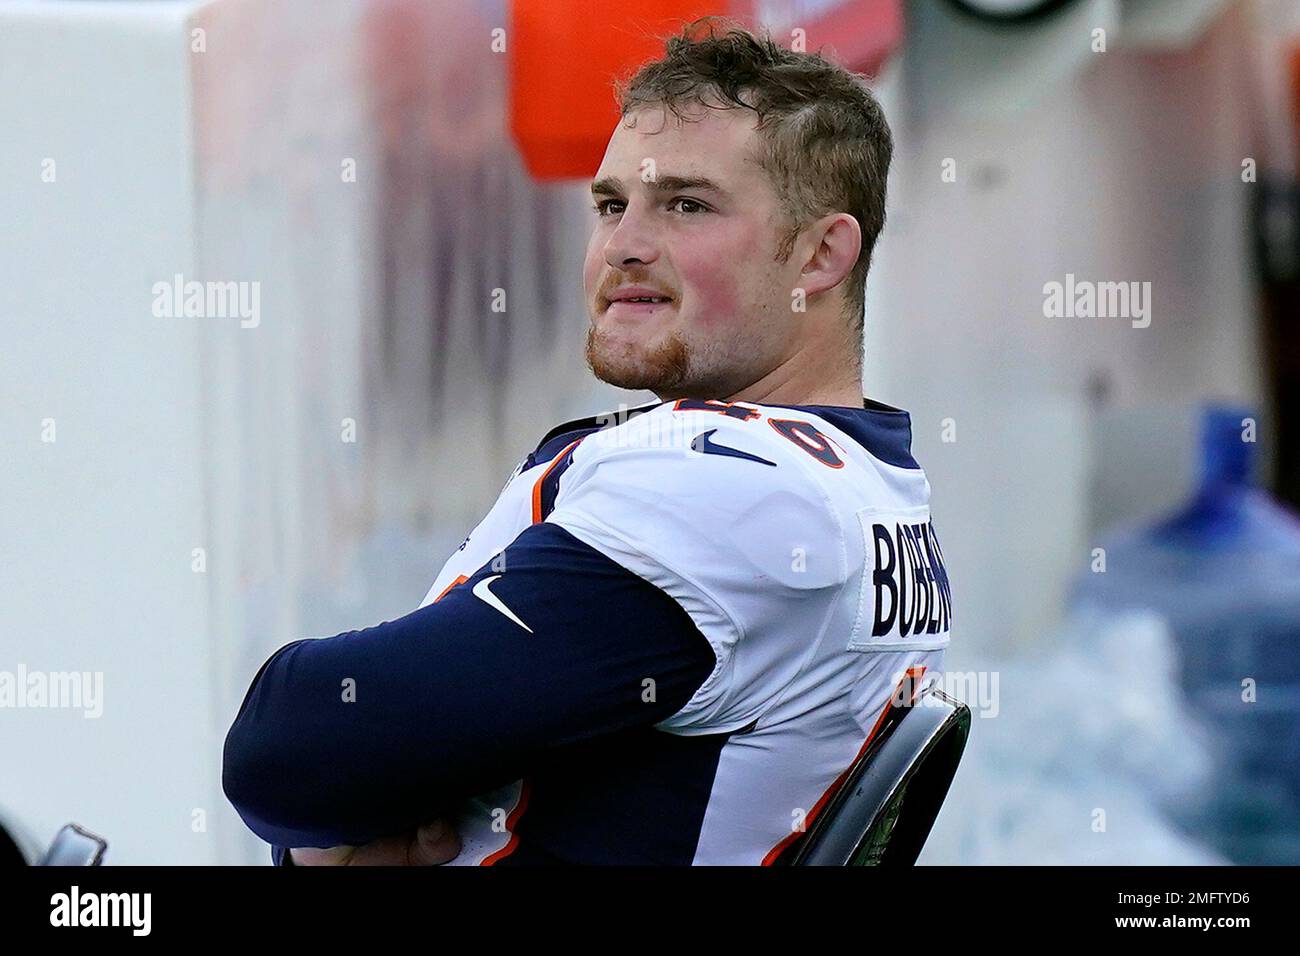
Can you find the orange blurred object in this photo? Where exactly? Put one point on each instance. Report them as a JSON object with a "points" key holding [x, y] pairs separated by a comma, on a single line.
{"points": [[564, 57]]}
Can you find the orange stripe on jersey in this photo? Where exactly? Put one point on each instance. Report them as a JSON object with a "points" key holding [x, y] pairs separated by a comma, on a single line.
{"points": [[913, 673], [537, 487], [513, 843], [460, 579]]}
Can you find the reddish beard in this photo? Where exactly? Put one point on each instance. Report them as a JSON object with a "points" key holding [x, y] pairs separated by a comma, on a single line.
{"points": [[658, 368]]}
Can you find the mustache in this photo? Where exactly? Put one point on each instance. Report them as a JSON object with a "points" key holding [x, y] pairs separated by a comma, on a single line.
{"points": [[612, 285]]}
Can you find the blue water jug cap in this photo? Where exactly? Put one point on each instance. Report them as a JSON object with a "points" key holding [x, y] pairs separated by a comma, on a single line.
{"points": [[1227, 511], [1228, 436]]}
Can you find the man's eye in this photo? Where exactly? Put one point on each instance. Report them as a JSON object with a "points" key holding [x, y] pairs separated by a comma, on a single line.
{"points": [[691, 207], [699, 206]]}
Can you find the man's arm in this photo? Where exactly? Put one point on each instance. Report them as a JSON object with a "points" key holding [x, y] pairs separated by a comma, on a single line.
{"points": [[346, 739], [429, 845]]}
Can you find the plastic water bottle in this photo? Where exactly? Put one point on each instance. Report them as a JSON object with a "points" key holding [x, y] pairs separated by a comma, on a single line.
{"points": [[1224, 573]]}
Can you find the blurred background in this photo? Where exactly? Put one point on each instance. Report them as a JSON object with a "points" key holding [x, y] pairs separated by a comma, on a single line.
{"points": [[399, 190]]}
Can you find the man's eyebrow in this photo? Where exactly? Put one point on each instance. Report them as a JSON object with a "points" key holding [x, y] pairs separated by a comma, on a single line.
{"points": [[613, 186]]}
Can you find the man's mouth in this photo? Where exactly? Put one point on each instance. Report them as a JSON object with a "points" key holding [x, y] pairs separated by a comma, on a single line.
{"points": [[638, 305]]}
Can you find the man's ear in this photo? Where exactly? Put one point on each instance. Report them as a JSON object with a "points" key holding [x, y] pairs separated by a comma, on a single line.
{"points": [[830, 248]]}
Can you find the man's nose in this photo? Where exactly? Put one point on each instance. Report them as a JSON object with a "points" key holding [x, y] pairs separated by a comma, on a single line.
{"points": [[633, 240]]}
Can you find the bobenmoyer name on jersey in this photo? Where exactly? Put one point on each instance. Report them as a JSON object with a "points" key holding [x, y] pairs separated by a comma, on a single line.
{"points": [[906, 600]]}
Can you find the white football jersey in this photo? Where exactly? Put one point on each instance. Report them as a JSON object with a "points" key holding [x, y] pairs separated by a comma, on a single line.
{"points": [[799, 541]]}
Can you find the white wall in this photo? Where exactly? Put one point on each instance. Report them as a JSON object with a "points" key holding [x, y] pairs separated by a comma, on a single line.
{"points": [[97, 525]]}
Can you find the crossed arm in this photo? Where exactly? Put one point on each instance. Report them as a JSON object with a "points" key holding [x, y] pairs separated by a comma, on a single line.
{"points": [[368, 735]]}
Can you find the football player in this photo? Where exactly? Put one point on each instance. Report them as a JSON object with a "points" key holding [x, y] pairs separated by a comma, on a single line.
{"points": [[677, 627]]}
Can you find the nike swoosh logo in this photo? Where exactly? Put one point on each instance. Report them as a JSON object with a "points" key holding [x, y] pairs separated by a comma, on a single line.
{"points": [[707, 446], [483, 591]]}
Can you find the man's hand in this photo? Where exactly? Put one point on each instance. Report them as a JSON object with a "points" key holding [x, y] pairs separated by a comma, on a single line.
{"points": [[429, 845]]}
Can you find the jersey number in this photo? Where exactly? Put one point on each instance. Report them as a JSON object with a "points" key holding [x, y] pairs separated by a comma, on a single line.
{"points": [[801, 433]]}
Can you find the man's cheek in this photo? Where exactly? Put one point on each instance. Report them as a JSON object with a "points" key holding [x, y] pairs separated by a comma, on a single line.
{"points": [[714, 297], [590, 274], [593, 264]]}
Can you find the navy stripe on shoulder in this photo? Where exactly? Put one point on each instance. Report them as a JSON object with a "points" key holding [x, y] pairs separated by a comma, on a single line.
{"points": [[551, 447], [551, 483], [562, 434]]}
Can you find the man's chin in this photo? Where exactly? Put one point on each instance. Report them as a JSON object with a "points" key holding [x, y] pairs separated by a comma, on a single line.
{"points": [[659, 367]]}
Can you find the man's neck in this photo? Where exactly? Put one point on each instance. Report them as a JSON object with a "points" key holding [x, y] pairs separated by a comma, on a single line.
{"points": [[802, 380]]}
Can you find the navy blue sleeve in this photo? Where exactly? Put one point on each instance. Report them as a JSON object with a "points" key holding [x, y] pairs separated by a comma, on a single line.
{"points": [[345, 739]]}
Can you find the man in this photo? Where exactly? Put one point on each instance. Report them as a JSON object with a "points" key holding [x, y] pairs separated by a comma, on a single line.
{"points": [[678, 626]]}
